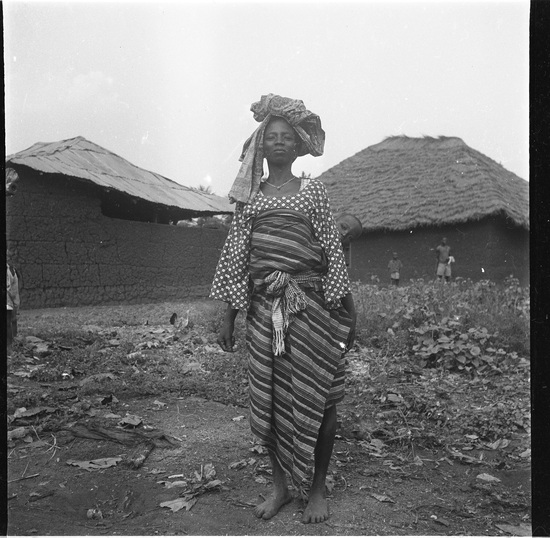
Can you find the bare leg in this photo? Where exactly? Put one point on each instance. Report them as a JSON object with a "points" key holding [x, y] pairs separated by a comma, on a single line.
{"points": [[280, 495], [317, 508]]}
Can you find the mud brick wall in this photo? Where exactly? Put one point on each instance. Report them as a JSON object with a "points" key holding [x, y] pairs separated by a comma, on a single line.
{"points": [[70, 254]]}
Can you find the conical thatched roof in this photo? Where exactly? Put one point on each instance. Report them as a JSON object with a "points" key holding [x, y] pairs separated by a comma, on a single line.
{"points": [[82, 159], [404, 182]]}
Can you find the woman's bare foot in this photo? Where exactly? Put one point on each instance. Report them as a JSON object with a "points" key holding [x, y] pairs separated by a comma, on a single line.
{"points": [[316, 510], [272, 505]]}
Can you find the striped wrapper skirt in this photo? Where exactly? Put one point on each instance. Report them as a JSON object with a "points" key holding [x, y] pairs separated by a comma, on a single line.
{"points": [[289, 393]]}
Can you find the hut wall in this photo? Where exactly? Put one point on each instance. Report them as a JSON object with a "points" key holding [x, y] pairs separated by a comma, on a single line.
{"points": [[70, 254], [488, 249]]}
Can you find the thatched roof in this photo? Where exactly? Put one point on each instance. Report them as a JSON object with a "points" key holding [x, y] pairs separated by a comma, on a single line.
{"points": [[82, 159], [404, 182]]}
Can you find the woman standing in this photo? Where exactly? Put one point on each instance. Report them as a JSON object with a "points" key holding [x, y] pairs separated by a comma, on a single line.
{"points": [[283, 263]]}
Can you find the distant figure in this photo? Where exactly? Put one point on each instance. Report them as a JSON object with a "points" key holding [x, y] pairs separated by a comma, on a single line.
{"points": [[444, 259], [12, 305], [12, 180], [13, 278], [350, 228], [395, 265]]}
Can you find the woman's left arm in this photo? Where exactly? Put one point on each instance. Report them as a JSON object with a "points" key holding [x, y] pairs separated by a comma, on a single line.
{"points": [[336, 284]]}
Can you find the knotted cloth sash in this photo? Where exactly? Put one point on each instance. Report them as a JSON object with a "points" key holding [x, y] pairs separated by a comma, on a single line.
{"points": [[305, 123], [284, 255]]}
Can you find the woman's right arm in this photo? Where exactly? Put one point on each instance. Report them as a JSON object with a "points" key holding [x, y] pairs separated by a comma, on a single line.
{"points": [[226, 339]]}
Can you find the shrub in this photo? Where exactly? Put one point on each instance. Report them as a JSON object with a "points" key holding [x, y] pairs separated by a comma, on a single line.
{"points": [[464, 325]]}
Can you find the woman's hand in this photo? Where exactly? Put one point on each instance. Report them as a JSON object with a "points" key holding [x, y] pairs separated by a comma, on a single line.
{"points": [[226, 340]]}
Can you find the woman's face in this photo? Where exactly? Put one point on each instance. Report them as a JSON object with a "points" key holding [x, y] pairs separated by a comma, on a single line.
{"points": [[280, 142]]}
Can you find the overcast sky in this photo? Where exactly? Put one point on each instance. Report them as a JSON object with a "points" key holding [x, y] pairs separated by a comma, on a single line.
{"points": [[168, 86]]}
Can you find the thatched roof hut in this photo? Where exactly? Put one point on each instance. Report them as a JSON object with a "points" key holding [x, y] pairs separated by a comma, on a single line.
{"points": [[404, 182], [432, 185]]}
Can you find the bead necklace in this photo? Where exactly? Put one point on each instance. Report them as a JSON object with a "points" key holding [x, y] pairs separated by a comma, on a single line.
{"points": [[280, 186]]}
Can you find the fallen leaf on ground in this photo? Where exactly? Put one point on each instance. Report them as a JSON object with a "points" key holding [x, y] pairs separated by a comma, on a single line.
{"points": [[22, 373], [462, 457], [382, 498], [24, 412], [41, 349], [130, 420], [395, 398], [37, 444], [105, 400], [93, 465], [97, 377], [156, 471], [377, 443], [374, 447], [176, 484], [242, 463], [33, 339], [499, 443], [238, 464], [36, 495], [207, 472], [18, 433], [487, 477], [521, 530], [111, 415], [213, 349], [440, 520], [178, 504]]}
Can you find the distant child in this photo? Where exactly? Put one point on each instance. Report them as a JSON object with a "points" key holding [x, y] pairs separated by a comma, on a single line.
{"points": [[12, 305], [395, 265], [13, 278], [444, 260]]}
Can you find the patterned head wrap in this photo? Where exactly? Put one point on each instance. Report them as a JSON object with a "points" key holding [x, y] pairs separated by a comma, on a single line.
{"points": [[305, 123]]}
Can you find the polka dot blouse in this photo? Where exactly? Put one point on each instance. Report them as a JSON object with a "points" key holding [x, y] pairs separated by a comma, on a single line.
{"points": [[232, 278]]}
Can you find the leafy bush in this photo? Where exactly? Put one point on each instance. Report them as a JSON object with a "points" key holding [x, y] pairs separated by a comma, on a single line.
{"points": [[467, 326], [445, 344]]}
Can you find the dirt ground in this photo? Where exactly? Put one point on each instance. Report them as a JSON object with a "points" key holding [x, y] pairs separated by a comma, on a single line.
{"points": [[211, 456]]}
